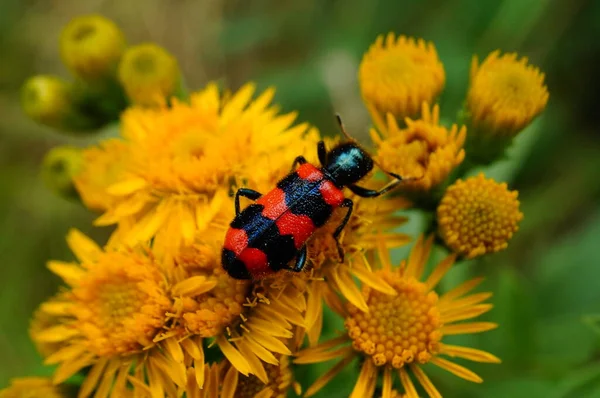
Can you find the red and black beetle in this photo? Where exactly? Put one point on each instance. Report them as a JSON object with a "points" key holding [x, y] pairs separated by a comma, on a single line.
{"points": [[266, 236]]}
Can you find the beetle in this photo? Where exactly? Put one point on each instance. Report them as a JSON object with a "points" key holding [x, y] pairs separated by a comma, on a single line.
{"points": [[267, 235]]}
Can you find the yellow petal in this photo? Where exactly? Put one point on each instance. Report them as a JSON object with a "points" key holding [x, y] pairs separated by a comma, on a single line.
{"points": [[466, 313], [460, 290], [313, 306], [56, 334], [92, 378], [270, 343], [366, 378], [407, 383], [85, 249], [456, 369], [369, 278], [71, 273], [256, 366], [230, 383], [192, 348], [173, 348], [237, 103], [439, 271], [425, 382], [266, 392], [468, 353], [175, 371], [261, 351], [233, 355], [106, 382], [464, 302], [69, 368], [67, 353], [468, 328], [194, 286], [127, 187], [324, 356], [327, 376], [387, 383], [199, 372], [349, 290]]}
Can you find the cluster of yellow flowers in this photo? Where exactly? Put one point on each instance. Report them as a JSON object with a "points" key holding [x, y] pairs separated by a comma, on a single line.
{"points": [[152, 313]]}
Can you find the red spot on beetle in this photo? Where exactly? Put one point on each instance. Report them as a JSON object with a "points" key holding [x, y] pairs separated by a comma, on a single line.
{"points": [[301, 227], [332, 195], [236, 240], [274, 204], [256, 262], [309, 172]]}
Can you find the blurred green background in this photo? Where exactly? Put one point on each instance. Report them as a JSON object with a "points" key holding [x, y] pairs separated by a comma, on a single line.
{"points": [[546, 285]]}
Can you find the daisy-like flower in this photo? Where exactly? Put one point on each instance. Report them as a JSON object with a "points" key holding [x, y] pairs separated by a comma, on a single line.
{"points": [[183, 162], [505, 94], [134, 319], [424, 149], [478, 216], [33, 387], [401, 332], [149, 74], [397, 75], [116, 305], [327, 277], [91, 46]]}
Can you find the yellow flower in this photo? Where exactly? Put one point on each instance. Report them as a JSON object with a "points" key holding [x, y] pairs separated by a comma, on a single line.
{"points": [[372, 219], [33, 387], [505, 94], [424, 150], [100, 167], [401, 332], [248, 321], [183, 162], [149, 74], [117, 304], [397, 75], [478, 216], [59, 167], [91, 46]]}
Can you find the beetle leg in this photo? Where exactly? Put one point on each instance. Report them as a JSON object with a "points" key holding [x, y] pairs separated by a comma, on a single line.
{"points": [[297, 161], [247, 193], [300, 260], [349, 204], [371, 193], [322, 152]]}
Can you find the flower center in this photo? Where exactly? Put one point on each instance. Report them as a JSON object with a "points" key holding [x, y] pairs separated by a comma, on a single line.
{"points": [[120, 305], [395, 68], [399, 329], [511, 86], [478, 216]]}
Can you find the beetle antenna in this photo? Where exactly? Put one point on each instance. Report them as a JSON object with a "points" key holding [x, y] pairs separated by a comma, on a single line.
{"points": [[342, 128]]}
